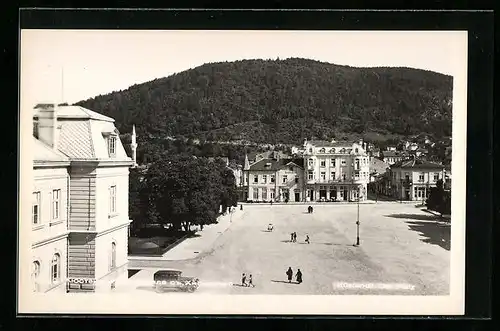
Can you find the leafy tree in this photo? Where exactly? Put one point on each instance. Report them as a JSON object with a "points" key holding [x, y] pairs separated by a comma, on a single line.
{"points": [[436, 200]]}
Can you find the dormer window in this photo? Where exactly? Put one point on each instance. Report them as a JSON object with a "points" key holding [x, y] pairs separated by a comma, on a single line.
{"points": [[322, 150], [332, 150], [112, 146]]}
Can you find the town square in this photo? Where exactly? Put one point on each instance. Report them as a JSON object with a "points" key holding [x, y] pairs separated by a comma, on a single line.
{"points": [[401, 246]]}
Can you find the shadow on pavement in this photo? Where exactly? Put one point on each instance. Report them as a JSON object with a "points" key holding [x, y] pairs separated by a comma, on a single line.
{"points": [[265, 231], [415, 217], [434, 233], [284, 281]]}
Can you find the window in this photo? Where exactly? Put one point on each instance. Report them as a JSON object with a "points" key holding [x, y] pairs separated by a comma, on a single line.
{"points": [[310, 150], [343, 176], [322, 163], [342, 150], [323, 175], [113, 256], [332, 150], [436, 176], [256, 194], [356, 150], [272, 178], [285, 179], [272, 194], [332, 162], [296, 179], [310, 162], [322, 150], [264, 179], [56, 195], [35, 209], [332, 175], [421, 177], [112, 146], [342, 162], [310, 175], [34, 274], [264, 193], [112, 199], [55, 268], [256, 178]]}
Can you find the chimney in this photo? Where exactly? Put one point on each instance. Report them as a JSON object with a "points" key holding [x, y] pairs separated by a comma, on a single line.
{"points": [[47, 124]]}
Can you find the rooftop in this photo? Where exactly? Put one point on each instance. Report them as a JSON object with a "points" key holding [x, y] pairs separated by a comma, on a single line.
{"points": [[76, 112], [42, 152], [275, 165], [417, 164], [326, 143]]}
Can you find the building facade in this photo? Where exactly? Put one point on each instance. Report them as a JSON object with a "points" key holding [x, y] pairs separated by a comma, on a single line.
{"points": [[413, 179], [274, 179], [81, 167], [335, 171]]}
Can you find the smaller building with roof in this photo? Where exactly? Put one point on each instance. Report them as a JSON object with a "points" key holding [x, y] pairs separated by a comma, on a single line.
{"points": [[412, 179]]}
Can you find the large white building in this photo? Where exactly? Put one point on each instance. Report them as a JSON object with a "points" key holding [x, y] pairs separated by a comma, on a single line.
{"points": [[335, 170], [320, 171], [80, 222]]}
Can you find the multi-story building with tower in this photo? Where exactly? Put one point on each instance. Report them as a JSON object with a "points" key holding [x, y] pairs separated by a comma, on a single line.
{"points": [[80, 221]]}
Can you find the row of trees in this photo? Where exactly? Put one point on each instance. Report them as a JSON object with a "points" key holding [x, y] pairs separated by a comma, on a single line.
{"points": [[181, 191], [439, 200]]}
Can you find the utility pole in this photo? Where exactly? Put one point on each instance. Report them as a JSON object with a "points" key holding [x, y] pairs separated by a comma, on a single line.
{"points": [[357, 222]]}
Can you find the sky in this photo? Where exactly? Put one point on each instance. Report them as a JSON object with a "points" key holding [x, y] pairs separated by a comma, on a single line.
{"points": [[73, 65]]}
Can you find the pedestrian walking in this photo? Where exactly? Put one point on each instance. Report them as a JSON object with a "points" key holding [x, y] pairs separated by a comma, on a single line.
{"points": [[250, 281], [295, 237], [307, 239], [291, 237], [289, 274], [243, 280], [298, 276], [241, 207]]}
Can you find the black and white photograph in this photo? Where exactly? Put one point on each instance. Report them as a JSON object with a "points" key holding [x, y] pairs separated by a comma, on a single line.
{"points": [[242, 172]]}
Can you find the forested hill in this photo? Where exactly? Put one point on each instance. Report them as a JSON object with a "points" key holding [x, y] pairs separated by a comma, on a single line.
{"points": [[283, 101]]}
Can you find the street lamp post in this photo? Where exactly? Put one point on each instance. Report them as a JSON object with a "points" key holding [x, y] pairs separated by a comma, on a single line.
{"points": [[357, 223]]}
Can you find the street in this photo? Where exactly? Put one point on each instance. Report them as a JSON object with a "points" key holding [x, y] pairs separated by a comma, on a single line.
{"points": [[403, 251]]}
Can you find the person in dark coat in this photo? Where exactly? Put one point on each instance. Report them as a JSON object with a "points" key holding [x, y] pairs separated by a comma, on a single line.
{"points": [[295, 237], [289, 274], [291, 237], [243, 280], [298, 276], [241, 207]]}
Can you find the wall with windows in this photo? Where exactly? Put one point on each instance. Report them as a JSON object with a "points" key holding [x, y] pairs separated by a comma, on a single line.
{"points": [[111, 257], [112, 186], [49, 209], [50, 273], [261, 185]]}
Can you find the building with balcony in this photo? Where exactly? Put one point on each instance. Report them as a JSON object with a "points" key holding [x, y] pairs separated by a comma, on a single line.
{"points": [[80, 222], [413, 179], [335, 170], [274, 179]]}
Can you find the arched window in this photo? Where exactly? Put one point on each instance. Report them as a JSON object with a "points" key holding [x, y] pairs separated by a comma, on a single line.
{"points": [[332, 150], [113, 255], [342, 150], [35, 271], [322, 150], [55, 268]]}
